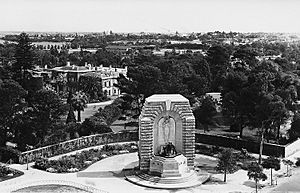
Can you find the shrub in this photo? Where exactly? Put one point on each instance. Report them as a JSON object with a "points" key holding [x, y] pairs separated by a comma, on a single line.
{"points": [[132, 124], [298, 162], [7, 154], [94, 125], [41, 163], [4, 171]]}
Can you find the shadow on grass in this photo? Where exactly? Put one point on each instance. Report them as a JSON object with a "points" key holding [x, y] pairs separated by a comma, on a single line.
{"points": [[3, 178], [251, 184], [214, 180]]}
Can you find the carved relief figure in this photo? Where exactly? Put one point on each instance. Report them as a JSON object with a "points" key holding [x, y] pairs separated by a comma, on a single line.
{"points": [[166, 131]]}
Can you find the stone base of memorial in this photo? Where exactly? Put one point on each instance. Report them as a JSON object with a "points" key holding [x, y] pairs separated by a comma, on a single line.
{"points": [[168, 166], [189, 179]]}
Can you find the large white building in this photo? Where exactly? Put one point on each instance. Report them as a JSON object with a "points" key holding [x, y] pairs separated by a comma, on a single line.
{"points": [[72, 73]]}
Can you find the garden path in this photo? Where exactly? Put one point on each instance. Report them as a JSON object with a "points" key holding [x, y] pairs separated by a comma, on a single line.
{"points": [[237, 182]]}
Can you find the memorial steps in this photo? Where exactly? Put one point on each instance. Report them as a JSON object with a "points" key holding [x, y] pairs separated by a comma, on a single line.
{"points": [[190, 179]]}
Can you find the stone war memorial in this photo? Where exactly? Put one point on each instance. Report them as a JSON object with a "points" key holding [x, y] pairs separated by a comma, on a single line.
{"points": [[167, 144]]}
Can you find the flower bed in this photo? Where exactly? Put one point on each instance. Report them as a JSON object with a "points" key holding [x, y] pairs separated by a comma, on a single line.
{"points": [[8, 173], [82, 160]]}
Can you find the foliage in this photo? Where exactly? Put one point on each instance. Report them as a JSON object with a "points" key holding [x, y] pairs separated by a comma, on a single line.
{"points": [[109, 114], [12, 106], [71, 116], [47, 108], [4, 171], [94, 125], [218, 59], [24, 57], [294, 131], [227, 162], [204, 112], [79, 101], [255, 171], [172, 74], [91, 84], [80, 161], [271, 163]]}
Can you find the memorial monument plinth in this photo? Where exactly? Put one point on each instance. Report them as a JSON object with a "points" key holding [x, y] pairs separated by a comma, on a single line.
{"points": [[167, 144], [168, 166]]}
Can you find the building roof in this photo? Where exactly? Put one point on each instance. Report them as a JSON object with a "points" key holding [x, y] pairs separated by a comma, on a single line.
{"points": [[72, 68]]}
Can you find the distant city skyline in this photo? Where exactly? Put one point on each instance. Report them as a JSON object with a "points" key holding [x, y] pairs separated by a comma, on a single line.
{"points": [[165, 16]]}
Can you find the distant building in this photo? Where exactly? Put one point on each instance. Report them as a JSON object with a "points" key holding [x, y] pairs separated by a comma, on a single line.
{"points": [[218, 98], [118, 49], [68, 76]]}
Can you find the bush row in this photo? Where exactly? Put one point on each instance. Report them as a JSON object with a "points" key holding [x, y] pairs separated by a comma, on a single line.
{"points": [[82, 160], [76, 144], [6, 171]]}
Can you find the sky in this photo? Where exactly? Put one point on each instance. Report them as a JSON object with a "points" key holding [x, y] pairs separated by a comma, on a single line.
{"points": [[163, 16]]}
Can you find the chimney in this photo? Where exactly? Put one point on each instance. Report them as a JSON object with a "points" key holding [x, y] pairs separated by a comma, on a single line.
{"points": [[68, 63], [46, 67]]}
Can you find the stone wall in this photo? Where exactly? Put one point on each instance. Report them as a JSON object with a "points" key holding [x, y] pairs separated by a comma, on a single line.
{"points": [[76, 144], [251, 146], [292, 148]]}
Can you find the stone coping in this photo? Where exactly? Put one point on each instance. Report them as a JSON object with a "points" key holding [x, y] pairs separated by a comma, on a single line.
{"points": [[57, 182]]}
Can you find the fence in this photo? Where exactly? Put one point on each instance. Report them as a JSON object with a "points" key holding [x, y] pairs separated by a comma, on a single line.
{"points": [[76, 144]]}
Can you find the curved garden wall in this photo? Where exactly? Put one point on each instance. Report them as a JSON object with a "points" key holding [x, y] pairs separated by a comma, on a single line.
{"points": [[101, 139]]}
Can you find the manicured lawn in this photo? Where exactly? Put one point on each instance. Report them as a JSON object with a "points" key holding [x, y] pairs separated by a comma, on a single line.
{"points": [[250, 134]]}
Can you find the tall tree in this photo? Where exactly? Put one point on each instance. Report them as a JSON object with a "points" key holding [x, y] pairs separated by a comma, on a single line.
{"points": [[91, 84], [255, 171], [47, 109], [12, 103], [235, 103], [79, 102], [218, 59], [227, 162], [271, 163], [24, 57], [204, 112]]}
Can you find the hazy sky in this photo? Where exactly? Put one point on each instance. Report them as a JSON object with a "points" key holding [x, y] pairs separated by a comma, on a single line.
{"points": [[150, 15]]}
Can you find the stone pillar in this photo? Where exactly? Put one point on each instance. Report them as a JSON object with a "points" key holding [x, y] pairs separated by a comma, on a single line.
{"points": [[145, 143]]}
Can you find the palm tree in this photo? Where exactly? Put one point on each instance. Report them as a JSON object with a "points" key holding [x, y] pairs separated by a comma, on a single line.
{"points": [[79, 101]]}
